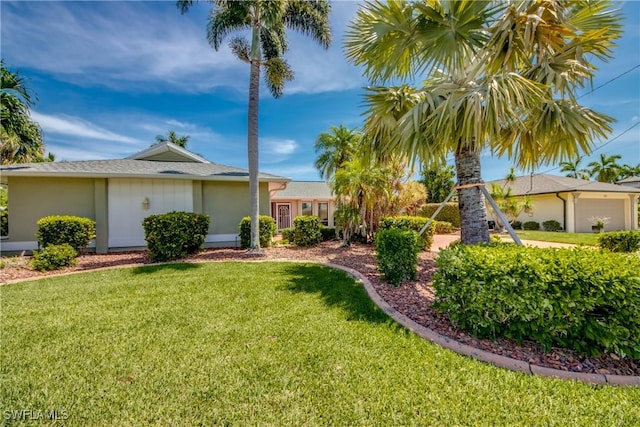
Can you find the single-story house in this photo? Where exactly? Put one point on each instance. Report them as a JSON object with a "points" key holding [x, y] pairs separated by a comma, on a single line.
{"points": [[303, 198], [119, 194], [632, 181], [572, 202]]}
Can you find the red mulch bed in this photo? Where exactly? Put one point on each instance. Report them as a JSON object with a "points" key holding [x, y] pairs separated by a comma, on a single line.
{"points": [[412, 299]]}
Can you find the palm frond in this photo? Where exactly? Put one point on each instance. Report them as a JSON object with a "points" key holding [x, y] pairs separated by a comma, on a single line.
{"points": [[225, 19], [241, 49], [310, 17], [277, 73]]}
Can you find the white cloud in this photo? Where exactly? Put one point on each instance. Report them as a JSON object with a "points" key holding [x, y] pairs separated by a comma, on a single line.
{"points": [[274, 150], [78, 128]]}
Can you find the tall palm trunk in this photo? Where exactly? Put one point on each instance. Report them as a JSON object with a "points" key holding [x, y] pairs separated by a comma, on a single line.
{"points": [[252, 141], [473, 212]]}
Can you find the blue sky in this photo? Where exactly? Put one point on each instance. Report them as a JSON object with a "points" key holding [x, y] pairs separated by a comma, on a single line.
{"points": [[111, 75]]}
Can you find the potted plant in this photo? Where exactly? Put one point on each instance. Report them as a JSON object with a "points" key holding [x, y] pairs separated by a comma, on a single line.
{"points": [[598, 223]]}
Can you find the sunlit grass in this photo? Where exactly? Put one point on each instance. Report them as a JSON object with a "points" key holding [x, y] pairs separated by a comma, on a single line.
{"points": [[589, 239], [256, 344]]}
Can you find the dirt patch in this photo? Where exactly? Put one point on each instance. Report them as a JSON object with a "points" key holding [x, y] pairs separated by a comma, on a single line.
{"points": [[412, 299]]}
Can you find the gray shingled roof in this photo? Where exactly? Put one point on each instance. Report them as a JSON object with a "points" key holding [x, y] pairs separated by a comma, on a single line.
{"points": [[135, 168], [305, 190], [546, 184], [630, 179]]}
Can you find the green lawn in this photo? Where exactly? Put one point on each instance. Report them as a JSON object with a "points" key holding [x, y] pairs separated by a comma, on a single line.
{"points": [[256, 344], [590, 239]]}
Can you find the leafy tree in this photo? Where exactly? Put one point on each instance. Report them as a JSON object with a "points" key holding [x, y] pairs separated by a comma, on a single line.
{"points": [[439, 182], [573, 170], [499, 75], [627, 171], [334, 148], [173, 138], [20, 137], [606, 169], [267, 22]]}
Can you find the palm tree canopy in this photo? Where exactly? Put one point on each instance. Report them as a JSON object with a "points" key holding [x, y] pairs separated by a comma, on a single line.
{"points": [[334, 148], [573, 170], [173, 138], [499, 74], [606, 169], [20, 137]]}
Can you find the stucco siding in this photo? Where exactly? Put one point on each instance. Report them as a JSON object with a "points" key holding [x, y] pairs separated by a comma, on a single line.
{"points": [[227, 203], [32, 198], [545, 207]]}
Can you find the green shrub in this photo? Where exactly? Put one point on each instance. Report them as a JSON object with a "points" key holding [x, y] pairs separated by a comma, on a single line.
{"points": [[531, 225], [266, 230], [449, 213], [287, 234], [414, 223], [397, 254], [54, 257], [620, 241], [516, 225], [580, 299], [74, 230], [327, 233], [4, 212], [306, 230], [174, 235], [443, 227], [551, 225]]}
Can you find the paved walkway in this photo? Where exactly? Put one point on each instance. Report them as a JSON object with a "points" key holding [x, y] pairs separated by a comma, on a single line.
{"points": [[441, 241]]}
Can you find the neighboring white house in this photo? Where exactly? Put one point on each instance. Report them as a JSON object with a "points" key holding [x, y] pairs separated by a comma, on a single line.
{"points": [[632, 181], [572, 202], [302, 198]]}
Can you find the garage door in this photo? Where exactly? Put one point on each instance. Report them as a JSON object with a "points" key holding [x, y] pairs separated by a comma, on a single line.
{"points": [[128, 206], [587, 208]]}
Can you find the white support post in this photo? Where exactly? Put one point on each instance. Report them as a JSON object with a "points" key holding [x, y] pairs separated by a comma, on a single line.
{"points": [[437, 212], [503, 219]]}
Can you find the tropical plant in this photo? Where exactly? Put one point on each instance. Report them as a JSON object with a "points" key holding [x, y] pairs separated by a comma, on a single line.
{"points": [[627, 171], [439, 182], [573, 170], [267, 22], [173, 138], [500, 76], [334, 148], [606, 169], [511, 206], [20, 137]]}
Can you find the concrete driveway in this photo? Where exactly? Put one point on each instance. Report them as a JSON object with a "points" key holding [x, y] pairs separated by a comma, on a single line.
{"points": [[441, 241]]}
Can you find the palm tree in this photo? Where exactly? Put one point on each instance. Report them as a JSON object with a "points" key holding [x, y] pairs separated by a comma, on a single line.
{"points": [[573, 169], [627, 171], [335, 148], [173, 138], [605, 170], [499, 76], [267, 21], [20, 137]]}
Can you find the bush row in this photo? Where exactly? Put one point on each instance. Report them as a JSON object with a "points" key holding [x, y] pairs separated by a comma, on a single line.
{"points": [[449, 213], [620, 241], [266, 229], [415, 223], [174, 235], [581, 299]]}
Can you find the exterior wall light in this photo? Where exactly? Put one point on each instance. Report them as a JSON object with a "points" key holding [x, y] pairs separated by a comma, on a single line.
{"points": [[146, 203]]}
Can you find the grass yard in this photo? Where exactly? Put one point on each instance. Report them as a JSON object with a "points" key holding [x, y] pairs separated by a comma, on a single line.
{"points": [[589, 239], [255, 344]]}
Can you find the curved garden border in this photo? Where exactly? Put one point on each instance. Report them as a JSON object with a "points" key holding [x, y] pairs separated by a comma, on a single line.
{"points": [[484, 356]]}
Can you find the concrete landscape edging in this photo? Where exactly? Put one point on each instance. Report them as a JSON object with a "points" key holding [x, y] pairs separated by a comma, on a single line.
{"points": [[484, 356]]}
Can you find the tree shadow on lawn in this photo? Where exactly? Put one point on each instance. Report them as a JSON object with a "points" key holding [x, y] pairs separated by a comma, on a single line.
{"points": [[337, 289], [174, 266]]}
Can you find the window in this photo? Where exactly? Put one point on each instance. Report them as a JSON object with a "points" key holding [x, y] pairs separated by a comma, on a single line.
{"points": [[323, 213], [307, 208]]}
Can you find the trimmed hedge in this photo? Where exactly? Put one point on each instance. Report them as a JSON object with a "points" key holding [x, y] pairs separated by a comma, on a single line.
{"points": [[443, 227], [531, 225], [59, 229], [54, 257], [327, 233], [266, 229], [450, 213], [397, 254], [580, 299], [620, 241], [306, 230], [174, 235], [414, 223], [287, 234], [516, 225], [551, 225]]}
